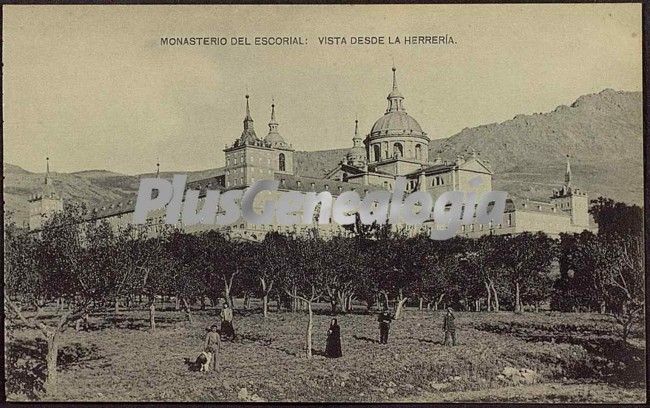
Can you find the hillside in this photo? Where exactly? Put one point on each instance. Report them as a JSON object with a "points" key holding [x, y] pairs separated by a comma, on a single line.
{"points": [[602, 132], [92, 187]]}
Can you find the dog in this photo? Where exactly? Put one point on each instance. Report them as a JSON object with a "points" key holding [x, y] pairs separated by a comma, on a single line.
{"points": [[203, 361]]}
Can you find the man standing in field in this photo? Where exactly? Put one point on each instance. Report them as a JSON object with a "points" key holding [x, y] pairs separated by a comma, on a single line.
{"points": [[384, 320], [449, 326], [226, 322], [213, 345]]}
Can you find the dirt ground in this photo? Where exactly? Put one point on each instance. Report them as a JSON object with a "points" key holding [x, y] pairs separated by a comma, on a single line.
{"points": [[575, 358]]}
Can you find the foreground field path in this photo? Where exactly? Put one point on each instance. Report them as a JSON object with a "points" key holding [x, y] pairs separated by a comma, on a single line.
{"points": [[119, 359]]}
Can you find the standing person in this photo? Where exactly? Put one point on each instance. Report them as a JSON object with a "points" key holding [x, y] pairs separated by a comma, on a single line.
{"points": [[333, 347], [449, 326], [213, 345], [226, 322], [384, 320]]}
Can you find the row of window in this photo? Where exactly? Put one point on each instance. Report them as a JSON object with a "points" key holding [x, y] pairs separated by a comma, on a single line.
{"points": [[397, 152], [281, 161]]}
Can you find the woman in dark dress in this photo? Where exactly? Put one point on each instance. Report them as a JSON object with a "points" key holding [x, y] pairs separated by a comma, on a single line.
{"points": [[333, 348]]}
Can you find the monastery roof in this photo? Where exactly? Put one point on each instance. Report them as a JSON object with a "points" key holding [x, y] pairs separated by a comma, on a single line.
{"points": [[307, 184]]}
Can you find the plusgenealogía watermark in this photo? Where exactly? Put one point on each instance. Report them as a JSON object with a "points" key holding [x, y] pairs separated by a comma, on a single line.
{"points": [[297, 208]]}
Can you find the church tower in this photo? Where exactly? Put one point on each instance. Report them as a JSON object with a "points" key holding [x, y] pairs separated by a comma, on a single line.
{"points": [[42, 205], [571, 200], [250, 159]]}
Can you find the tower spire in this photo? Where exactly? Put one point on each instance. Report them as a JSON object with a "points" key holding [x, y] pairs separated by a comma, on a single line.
{"points": [[248, 136], [273, 124], [356, 140], [567, 174], [395, 97], [158, 168], [47, 171], [248, 111]]}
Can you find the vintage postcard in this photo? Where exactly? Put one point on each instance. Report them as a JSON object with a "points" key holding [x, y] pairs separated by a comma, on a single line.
{"points": [[324, 203]]}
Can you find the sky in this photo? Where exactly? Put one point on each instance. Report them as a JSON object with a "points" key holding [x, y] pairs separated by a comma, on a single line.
{"points": [[93, 88]]}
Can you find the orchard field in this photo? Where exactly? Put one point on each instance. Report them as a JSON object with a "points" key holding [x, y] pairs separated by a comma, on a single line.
{"points": [[503, 356]]}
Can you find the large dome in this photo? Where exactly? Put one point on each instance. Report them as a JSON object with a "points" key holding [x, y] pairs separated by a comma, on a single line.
{"points": [[396, 123]]}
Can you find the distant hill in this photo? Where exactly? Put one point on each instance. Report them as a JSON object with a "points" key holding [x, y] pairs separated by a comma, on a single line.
{"points": [[92, 187], [602, 132]]}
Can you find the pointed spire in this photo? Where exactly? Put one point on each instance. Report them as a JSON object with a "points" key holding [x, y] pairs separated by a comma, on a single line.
{"points": [[158, 168], [567, 174], [356, 140], [248, 136], [395, 97], [48, 181], [273, 124], [273, 137], [248, 110]]}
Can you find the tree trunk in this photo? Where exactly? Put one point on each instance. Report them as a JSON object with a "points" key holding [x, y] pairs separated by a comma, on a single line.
{"points": [[342, 300], [348, 307], [496, 297], [265, 297], [421, 303], [294, 300], [177, 305], [477, 305], [310, 325], [489, 296], [400, 306], [265, 305], [51, 359], [152, 314], [188, 311], [202, 302], [517, 299], [435, 306], [117, 305]]}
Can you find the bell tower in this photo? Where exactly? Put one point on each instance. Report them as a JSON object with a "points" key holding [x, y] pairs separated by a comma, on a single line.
{"points": [[571, 200], [42, 205]]}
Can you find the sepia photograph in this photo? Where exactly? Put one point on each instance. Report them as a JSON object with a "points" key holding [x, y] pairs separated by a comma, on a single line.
{"points": [[395, 203]]}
